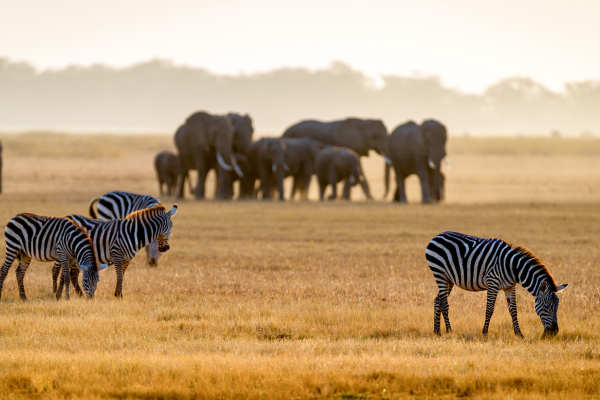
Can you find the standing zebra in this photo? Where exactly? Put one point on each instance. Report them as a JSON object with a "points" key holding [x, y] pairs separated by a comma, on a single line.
{"points": [[477, 264], [43, 238], [118, 241], [118, 205]]}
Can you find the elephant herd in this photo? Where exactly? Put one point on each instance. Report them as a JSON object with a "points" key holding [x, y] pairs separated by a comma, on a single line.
{"points": [[329, 150]]}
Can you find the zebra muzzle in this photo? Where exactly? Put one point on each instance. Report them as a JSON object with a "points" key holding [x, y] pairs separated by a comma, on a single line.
{"points": [[163, 248]]}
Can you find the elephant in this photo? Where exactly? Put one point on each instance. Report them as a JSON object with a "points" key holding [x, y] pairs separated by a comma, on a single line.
{"points": [[360, 135], [204, 141], [0, 167], [167, 169], [418, 150], [242, 137], [300, 155], [266, 161], [336, 164]]}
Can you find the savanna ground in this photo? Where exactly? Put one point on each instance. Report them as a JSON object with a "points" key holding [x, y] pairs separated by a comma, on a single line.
{"points": [[307, 300]]}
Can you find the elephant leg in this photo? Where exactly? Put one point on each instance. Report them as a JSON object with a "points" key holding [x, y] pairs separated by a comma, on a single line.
{"points": [[425, 187], [221, 191], [322, 186], [305, 185], [294, 187], [265, 183], [400, 190], [347, 188], [333, 181], [279, 176], [200, 187], [365, 187]]}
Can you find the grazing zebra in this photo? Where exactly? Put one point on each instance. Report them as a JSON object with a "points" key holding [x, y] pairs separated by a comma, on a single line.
{"points": [[118, 205], [477, 264], [118, 241], [44, 238]]}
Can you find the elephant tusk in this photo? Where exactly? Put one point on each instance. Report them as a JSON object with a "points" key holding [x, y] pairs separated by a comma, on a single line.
{"points": [[431, 164], [236, 167], [362, 178], [287, 169], [387, 160], [222, 163], [447, 163], [274, 169]]}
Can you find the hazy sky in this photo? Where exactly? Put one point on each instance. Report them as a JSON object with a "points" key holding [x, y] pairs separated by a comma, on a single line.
{"points": [[468, 43]]}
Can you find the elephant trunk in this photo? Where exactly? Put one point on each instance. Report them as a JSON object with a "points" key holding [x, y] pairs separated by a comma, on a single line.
{"points": [[387, 180]]}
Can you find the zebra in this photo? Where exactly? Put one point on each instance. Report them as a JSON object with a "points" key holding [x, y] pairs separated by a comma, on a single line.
{"points": [[118, 241], [118, 205], [476, 264], [44, 238]]}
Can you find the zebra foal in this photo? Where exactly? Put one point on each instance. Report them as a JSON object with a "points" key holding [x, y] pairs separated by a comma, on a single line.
{"points": [[118, 241], [476, 264], [43, 238], [118, 205]]}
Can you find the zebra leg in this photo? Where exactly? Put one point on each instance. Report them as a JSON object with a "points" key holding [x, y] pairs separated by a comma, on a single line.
{"points": [[119, 270], [511, 299], [21, 269], [11, 254], [440, 305], [65, 278], [55, 273], [446, 307], [492, 293], [75, 280]]}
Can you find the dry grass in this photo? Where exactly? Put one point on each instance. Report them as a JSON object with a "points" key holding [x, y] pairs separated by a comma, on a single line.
{"points": [[303, 300]]}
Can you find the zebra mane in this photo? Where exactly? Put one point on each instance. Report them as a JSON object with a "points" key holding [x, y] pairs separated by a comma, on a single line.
{"points": [[151, 210], [529, 256], [81, 228]]}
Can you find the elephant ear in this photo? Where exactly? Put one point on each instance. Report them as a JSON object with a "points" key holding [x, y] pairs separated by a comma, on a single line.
{"points": [[198, 133], [349, 133]]}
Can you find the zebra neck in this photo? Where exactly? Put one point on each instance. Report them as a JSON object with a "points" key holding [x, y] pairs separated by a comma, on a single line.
{"points": [[529, 273], [144, 231]]}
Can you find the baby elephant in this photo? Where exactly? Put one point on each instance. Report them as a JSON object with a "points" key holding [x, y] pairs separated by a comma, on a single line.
{"points": [[167, 171], [336, 164]]}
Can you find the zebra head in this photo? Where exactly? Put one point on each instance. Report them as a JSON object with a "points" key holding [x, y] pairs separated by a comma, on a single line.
{"points": [[86, 259], [546, 307], [164, 232], [90, 278]]}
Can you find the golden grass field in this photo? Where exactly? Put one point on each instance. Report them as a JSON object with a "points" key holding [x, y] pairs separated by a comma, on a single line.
{"points": [[307, 299]]}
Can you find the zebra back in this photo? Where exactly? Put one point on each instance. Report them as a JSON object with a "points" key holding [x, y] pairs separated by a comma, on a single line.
{"points": [[118, 204]]}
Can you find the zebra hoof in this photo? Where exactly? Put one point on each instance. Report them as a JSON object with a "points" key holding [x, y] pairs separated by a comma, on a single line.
{"points": [[519, 335]]}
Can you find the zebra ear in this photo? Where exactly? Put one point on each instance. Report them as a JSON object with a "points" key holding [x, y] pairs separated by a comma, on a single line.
{"points": [[562, 287], [102, 266], [173, 211], [544, 288]]}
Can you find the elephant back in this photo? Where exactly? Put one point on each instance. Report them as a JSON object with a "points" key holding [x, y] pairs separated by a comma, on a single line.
{"points": [[316, 130]]}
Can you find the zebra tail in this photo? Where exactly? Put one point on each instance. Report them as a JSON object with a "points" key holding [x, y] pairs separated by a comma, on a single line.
{"points": [[92, 212]]}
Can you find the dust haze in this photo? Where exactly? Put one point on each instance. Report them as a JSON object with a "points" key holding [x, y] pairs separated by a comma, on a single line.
{"points": [[157, 95]]}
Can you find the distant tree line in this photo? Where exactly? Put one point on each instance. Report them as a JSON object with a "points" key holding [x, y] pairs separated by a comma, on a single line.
{"points": [[157, 96]]}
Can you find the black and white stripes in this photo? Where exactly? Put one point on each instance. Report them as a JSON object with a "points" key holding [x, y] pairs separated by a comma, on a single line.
{"points": [[476, 264], [44, 238], [119, 240], [118, 205]]}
